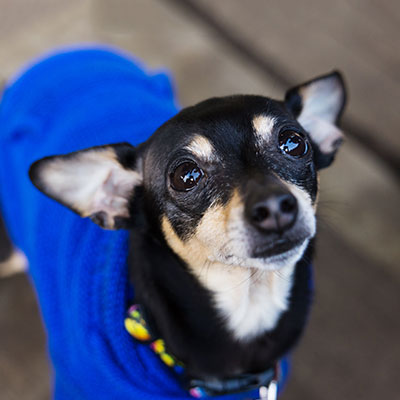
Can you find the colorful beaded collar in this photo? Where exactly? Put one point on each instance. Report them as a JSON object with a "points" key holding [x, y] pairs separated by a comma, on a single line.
{"points": [[266, 381], [137, 326]]}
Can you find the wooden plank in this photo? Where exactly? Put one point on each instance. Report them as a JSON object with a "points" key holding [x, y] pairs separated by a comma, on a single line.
{"points": [[163, 36], [24, 369]]}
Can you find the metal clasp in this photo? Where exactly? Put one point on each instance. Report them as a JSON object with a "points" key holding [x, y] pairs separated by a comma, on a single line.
{"points": [[270, 392]]}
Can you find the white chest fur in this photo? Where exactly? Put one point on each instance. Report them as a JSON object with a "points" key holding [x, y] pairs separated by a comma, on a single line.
{"points": [[250, 301]]}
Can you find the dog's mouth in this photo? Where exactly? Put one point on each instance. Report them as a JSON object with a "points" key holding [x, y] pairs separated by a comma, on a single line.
{"points": [[272, 255], [276, 248]]}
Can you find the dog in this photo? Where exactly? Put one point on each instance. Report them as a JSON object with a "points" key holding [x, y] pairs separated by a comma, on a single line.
{"points": [[220, 205]]}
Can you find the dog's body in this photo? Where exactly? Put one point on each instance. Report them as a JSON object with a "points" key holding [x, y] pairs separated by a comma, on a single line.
{"points": [[220, 204], [249, 313]]}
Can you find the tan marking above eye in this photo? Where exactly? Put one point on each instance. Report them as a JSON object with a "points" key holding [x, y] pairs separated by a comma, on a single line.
{"points": [[202, 148], [263, 127]]}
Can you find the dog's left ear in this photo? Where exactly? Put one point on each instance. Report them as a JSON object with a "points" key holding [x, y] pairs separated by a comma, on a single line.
{"points": [[318, 105], [98, 182]]}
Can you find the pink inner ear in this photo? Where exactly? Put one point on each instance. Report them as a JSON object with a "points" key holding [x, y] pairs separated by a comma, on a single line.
{"points": [[326, 135], [91, 182], [112, 196]]}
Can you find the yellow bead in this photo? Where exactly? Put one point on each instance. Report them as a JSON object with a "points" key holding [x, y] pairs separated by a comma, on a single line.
{"points": [[158, 346], [167, 359], [136, 330]]}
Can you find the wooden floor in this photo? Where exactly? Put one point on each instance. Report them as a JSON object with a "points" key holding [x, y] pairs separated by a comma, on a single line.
{"points": [[350, 349]]}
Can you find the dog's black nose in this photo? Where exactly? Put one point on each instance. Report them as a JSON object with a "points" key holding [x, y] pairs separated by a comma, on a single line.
{"points": [[277, 212]]}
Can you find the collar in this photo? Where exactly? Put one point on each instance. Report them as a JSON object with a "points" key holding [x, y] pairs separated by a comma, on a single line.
{"points": [[136, 325], [266, 382]]}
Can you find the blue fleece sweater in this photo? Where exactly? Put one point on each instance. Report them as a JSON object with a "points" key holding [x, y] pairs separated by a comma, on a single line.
{"points": [[65, 102]]}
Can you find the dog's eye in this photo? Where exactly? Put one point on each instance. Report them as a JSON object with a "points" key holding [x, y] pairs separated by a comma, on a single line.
{"points": [[292, 143], [186, 176]]}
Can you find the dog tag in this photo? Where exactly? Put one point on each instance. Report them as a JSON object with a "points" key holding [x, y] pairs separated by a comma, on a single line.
{"points": [[263, 393], [270, 393], [272, 390]]}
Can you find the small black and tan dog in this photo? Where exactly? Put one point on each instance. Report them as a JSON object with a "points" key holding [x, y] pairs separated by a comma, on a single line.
{"points": [[221, 204]]}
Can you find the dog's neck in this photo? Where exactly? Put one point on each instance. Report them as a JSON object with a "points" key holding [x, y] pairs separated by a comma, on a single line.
{"points": [[250, 301]]}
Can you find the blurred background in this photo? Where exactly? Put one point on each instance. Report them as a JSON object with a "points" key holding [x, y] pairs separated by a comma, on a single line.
{"points": [[350, 349]]}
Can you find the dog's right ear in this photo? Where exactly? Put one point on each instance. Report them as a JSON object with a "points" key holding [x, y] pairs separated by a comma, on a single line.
{"points": [[97, 182]]}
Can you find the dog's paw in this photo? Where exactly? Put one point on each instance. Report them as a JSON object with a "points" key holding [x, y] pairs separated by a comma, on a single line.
{"points": [[14, 264]]}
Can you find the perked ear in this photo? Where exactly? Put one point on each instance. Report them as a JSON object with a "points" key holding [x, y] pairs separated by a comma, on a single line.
{"points": [[97, 182], [318, 105]]}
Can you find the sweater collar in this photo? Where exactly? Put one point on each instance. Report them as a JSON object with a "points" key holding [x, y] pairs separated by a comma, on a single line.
{"points": [[265, 382]]}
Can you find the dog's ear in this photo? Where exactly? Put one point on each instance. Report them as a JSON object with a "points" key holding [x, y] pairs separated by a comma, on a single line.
{"points": [[318, 105], [97, 182]]}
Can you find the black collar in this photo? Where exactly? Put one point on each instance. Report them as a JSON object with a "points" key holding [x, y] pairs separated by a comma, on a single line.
{"points": [[265, 381]]}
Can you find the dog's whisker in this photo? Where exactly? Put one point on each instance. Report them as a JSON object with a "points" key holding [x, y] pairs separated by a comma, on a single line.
{"points": [[280, 276]]}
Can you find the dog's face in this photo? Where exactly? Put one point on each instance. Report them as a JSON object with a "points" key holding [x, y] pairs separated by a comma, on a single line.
{"points": [[230, 180]]}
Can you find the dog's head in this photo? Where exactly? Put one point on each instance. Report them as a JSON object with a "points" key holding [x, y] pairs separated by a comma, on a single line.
{"points": [[231, 179]]}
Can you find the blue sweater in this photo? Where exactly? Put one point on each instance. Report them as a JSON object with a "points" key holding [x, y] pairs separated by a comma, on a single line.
{"points": [[65, 102]]}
